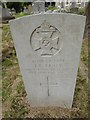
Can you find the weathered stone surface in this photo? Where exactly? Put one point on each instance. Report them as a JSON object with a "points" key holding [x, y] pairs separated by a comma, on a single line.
{"points": [[48, 49]]}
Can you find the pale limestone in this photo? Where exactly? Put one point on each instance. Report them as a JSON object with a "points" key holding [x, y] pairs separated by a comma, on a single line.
{"points": [[48, 49]]}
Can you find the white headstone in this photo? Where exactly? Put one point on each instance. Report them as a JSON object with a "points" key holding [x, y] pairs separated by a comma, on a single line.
{"points": [[48, 49], [5, 13], [82, 4], [38, 7], [25, 10], [73, 7], [73, 4], [13, 11], [30, 9]]}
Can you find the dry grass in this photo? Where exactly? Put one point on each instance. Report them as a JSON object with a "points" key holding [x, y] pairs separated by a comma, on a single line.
{"points": [[15, 104]]}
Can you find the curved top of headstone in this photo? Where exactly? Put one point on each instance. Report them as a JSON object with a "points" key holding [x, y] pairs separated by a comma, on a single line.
{"points": [[45, 14], [42, 40]]}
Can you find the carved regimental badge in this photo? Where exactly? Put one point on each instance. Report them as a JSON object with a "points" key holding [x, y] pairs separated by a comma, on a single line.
{"points": [[46, 40]]}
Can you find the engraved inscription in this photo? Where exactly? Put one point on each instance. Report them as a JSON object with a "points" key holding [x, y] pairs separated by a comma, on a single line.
{"points": [[45, 66], [46, 40]]}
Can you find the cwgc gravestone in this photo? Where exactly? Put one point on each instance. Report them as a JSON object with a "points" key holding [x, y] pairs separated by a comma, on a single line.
{"points": [[73, 8], [30, 9], [48, 49], [38, 7], [6, 14], [13, 11], [82, 5], [25, 10], [63, 4]]}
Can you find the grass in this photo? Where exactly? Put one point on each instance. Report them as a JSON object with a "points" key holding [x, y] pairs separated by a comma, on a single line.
{"points": [[17, 15], [84, 52], [12, 85], [14, 99], [52, 8], [81, 96], [81, 11]]}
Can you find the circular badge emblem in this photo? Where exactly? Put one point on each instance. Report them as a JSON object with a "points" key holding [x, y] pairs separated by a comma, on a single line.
{"points": [[46, 40]]}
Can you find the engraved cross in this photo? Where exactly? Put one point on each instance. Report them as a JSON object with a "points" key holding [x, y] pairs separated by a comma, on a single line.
{"points": [[48, 85]]}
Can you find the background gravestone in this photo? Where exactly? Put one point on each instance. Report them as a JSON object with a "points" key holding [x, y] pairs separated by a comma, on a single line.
{"points": [[30, 9], [5, 14], [73, 8], [48, 49], [38, 7], [25, 10], [82, 4]]}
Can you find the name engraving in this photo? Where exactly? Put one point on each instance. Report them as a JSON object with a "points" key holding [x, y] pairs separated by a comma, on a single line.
{"points": [[45, 66]]}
